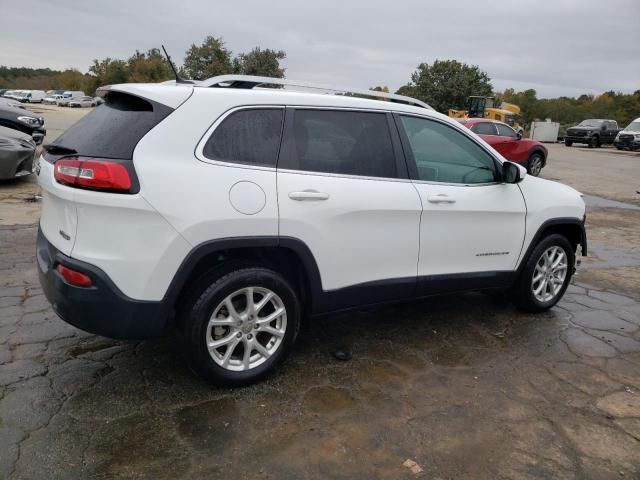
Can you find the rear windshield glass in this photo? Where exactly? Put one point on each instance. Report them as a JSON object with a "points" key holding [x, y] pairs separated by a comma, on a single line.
{"points": [[113, 129]]}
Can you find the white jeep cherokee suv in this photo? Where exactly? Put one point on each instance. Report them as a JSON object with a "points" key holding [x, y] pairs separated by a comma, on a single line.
{"points": [[228, 212]]}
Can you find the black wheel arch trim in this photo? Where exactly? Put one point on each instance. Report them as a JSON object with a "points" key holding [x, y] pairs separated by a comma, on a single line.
{"points": [[198, 253], [552, 223]]}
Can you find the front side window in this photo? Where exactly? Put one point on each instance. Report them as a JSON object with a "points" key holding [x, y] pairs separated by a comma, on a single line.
{"points": [[484, 128], [506, 131], [342, 142], [443, 154], [249, 136]]}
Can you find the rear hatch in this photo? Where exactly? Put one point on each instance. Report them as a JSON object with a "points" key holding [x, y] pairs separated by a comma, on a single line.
{"points": [[106, 136]]}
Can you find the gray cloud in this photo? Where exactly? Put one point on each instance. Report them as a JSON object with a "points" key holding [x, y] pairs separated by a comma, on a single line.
{"points": [[561, 47]]}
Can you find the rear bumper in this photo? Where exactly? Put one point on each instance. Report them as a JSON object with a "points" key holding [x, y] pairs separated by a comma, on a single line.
{"points": [[102, 308]]}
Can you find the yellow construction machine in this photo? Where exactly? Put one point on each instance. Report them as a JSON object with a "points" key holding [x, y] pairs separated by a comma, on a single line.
{"points": [[489, 107]]}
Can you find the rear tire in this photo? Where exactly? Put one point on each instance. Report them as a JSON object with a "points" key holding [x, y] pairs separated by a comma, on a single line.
{"points": [[542, 284], [224, 318]]}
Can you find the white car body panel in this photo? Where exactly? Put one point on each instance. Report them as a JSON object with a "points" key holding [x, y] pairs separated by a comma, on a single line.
{"points": [[130, 241], [366, 230], [481, 232], [59, 214], [547, 200]]}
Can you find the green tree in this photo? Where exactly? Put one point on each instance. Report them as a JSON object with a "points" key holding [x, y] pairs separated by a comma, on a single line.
{"points": [[149, 67], [108, 71], [447, 84], [264, 63], [71, 79], [209, 59]]}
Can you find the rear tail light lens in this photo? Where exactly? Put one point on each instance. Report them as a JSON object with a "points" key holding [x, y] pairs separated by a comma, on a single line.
{"points": [[73, 277], [92, 173]]}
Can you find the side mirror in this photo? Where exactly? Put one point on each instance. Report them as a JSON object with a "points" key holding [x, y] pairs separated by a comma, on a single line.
{"points": [[519, 135], [512, 172], [603, 127]]}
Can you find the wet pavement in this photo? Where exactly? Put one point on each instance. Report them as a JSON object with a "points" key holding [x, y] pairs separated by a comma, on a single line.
{"points": [[465, 386]]}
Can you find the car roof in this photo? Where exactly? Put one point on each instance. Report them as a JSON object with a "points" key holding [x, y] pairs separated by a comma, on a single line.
{"points": [[174, 95]]}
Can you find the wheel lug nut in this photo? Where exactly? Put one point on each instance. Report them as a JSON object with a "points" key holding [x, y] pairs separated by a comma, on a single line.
{"points": [[256, 326], [239, 335], [249, 336]]}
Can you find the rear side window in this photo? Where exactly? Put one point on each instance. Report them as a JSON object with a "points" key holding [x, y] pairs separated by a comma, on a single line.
{"points": [[342, 142], [113, 129], [484, 128], [247, 136]]}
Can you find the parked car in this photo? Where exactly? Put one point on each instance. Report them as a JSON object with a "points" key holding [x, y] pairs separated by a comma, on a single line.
{"points": [[31, 96], [52, 99], [82, 102], [594, 132], [12, 94], [531, 154], [9, 102], [24, 121], [349, 201], [69, 95], [17, 151], [629, 137]]}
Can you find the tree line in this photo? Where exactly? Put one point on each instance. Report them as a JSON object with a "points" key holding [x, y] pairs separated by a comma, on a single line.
{"points": [[208, 59], [444, 84]]}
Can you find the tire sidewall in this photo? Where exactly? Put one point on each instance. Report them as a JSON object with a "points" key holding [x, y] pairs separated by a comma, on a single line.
{"points": [[534, 157], [527, 275], [194, 326]]}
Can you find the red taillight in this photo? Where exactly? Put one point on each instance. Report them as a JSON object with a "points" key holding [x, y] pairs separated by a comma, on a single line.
{"points": [[74, 277], [92, 173]]}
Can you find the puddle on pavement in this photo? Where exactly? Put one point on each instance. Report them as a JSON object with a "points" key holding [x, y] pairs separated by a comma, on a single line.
{"points": [[208, 423], [327, 399]]}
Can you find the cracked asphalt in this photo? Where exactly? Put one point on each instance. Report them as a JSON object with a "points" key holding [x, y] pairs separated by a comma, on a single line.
{"points": [[464, 385]]}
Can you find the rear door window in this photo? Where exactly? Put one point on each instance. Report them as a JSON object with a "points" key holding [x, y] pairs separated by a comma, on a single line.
{"points": [[341, 142], [250, 136], [113, 129]]}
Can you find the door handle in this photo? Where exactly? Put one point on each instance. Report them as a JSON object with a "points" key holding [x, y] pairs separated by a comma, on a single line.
{"points": [[440, 198], [308, 195]]}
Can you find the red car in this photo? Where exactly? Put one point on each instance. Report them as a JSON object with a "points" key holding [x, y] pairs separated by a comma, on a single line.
{"points": [[529, 153]]}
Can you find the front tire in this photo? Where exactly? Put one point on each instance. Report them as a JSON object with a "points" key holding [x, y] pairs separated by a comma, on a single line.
{"points": [[594, 142], [546, 275], [239, 326], [535, 163], [568, 143]]}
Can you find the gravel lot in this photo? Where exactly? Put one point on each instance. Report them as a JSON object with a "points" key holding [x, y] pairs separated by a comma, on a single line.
{"points": [[464, 385]]}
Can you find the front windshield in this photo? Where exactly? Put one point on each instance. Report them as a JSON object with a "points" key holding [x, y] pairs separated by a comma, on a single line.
{"points": [[590, 123], [634, 126]]}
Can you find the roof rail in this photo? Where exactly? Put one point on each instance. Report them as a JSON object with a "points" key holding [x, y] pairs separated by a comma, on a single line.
{"points": [[250, 81]]}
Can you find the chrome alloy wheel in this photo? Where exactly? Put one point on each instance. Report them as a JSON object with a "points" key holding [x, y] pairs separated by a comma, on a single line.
{"points": [[549, 274], [246, 328], [535, 165]]}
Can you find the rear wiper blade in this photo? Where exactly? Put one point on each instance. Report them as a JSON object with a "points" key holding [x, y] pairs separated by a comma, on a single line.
{"points": [[58, 150]]}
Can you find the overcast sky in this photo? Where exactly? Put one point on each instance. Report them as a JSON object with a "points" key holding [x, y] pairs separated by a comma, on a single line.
{"points": [[558, 47]]}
